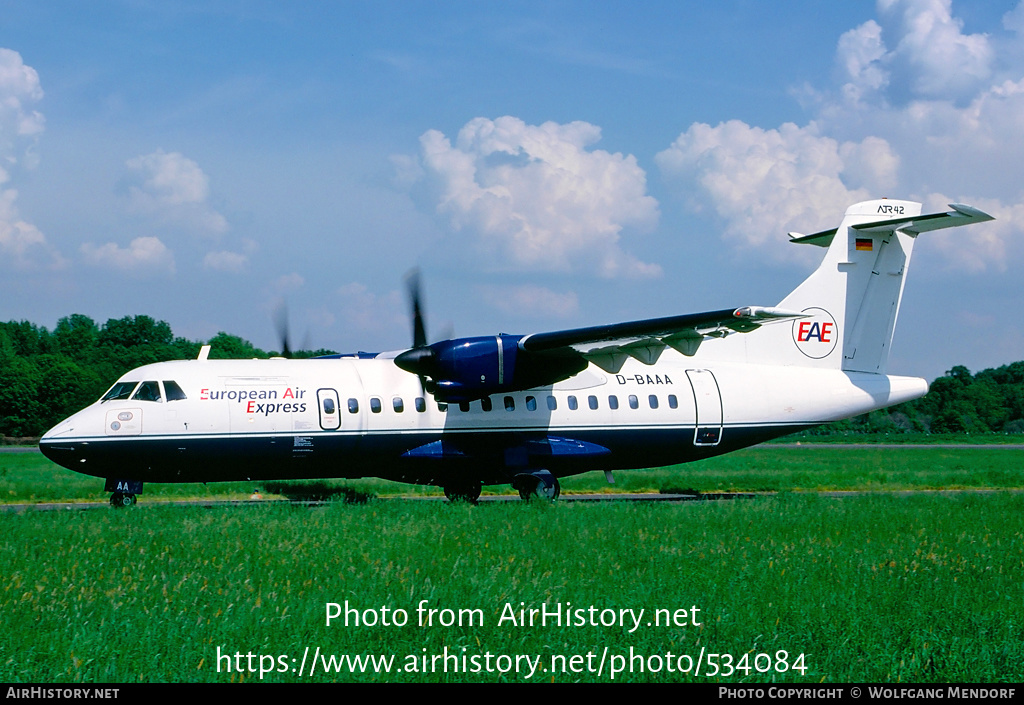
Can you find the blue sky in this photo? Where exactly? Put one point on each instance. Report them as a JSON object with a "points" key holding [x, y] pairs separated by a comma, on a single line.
{"points": [[546, 165]]}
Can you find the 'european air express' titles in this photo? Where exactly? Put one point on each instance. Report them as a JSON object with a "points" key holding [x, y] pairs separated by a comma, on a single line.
{"points": [[260, 401]]}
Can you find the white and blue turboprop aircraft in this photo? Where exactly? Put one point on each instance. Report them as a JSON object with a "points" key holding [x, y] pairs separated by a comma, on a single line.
{"points": [[527, 409]]}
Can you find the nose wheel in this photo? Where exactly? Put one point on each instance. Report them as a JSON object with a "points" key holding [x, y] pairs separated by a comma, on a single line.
{"points": [[121, 499]]}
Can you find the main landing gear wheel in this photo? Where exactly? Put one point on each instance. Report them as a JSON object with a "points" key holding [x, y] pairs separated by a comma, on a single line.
{"points": [[541, 489], [463, 493], [120, 499]]}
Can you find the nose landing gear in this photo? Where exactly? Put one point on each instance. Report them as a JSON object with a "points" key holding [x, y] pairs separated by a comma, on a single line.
{"points": [[124, 491]]}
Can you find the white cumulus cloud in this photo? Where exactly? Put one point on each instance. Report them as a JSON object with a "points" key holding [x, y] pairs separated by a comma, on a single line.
{"points": [[143, 256], [231, 261], [979, 249], [763, 183], [930, 56], [173, 187], [19, 90], [536, 197], [22, 244], [915, 51], [226, 261], [919, 107]]}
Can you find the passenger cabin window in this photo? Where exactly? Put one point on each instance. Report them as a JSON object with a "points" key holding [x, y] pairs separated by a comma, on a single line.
{"points": [[592, 401], [531, 403], [375, 405], [121, 390], [613, 401], [573, 404], [653, 401], [673, 403], [464, 406], [398, 405], [328, 406], [421, 404], [148, 391], [510, 404], [634, 403], [173, 392], [552, 403], [353, 406], [486, 404]]}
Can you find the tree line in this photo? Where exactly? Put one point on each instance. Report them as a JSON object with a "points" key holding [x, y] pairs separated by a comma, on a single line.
{"points": [[47, 375]]}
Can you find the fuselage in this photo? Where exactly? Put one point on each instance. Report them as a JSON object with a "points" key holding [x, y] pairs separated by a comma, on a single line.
{"points": [[220, 420]]}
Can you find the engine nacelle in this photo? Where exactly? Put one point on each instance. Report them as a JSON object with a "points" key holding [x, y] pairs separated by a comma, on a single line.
{"points": [[466, 369]]}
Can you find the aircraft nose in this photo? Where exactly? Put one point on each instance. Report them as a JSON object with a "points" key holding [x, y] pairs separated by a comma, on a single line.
{"points": [[63, 452]]}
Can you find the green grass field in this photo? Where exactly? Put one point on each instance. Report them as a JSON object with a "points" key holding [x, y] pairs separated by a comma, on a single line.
{"points": [[29, 477], [792, 587]]}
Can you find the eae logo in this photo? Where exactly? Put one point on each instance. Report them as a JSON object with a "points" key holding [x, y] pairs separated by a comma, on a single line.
{"points": [[816, 337]]}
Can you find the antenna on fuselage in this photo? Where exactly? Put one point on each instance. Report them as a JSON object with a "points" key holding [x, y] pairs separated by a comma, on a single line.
{"points": [[204, 353]]}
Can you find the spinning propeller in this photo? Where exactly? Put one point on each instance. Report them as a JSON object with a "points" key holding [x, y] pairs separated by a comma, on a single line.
{"points": [[466, 369], [281, 324], [421, 358]]}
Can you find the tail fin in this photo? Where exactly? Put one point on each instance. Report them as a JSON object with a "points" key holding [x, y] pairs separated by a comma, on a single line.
{"points": [[853, 298]]}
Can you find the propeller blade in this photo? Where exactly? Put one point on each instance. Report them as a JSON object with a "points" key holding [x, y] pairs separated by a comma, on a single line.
{"points": [[420, 358], [281, 323], [419, 329]]}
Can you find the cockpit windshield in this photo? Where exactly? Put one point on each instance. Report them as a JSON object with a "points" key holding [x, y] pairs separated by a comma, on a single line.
{"points": [[121, 390], [174, 392], [148, 391]]}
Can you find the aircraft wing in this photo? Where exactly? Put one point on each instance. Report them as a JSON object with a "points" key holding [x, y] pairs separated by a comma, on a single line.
{"points": [[609, 346], [467, 369]]}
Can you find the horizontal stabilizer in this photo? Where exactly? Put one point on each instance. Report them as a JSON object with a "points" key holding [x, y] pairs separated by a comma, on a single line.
{"points": [[912, 225], [822, 239]]}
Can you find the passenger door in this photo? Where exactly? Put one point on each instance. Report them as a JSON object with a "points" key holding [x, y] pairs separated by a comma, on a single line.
{"points": [[329, 408], [708, 402]]}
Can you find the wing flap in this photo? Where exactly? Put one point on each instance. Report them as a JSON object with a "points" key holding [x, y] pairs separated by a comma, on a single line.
{"points": [[610, 346]]}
